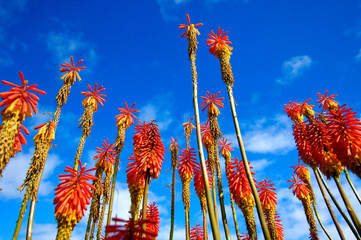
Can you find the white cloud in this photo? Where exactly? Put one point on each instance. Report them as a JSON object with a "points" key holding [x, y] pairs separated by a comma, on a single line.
{"points": [[270, 136], [15, 172], [293, 68], [358, 56], [260, 165], [65, 44], [160, 109]]}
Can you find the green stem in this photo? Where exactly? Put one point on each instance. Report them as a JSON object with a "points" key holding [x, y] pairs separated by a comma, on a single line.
{"points": [[320, 222], [79, 151], [337, 225], [88, 225], [351, 185], [338, 206], [220, 192], [173, 205], [145, 199], [246, 166], [234, 217], [214, 225], [29, 230], [188, 232], [205, 227], [348, 205], [24, 204]]}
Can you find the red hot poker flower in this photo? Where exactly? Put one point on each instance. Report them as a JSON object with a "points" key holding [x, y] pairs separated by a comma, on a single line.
{"points": [[211, 103], [19, 100], [187, 163], [153, 218], [126, 116], [188, 125], [93, 97], [198, 180], [293, 111], [189, 27], [73, 194], [20, 139], [197, 233], [301, 171], [106, 155], [207, 138], [267, 194], [225, 148], [129, 230], [71, 70], [306, 109], [300, 189], [173, 143], [219, 42], [327, 102]]}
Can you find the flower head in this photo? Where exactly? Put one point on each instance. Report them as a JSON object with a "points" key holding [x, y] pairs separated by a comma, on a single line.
{"points": [[219, 43], [293, 110], [73, 194], [189, 27], [71, 70], [238, 183], [20, 139], [306, 109], [153, 218], [129, 230], [197, 232], [187, 163], [19, 100], [106, 155], [126, 116], [173, 143], [207, 138], [301, 171], [46, 130], [225, 148], [198, 179], [267, 194], [93, 97], [211, 102], [327, 102], [300, 189]]}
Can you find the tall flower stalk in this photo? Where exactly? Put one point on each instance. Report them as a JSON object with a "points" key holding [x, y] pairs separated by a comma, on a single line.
{"points": [[18, 104], [124, 120], [225, 149], [105, 161], [90, 103], [191, 35], [301, 191], [211, 102], [219, 48], [174, 155], [42, 142], [186, 167]]}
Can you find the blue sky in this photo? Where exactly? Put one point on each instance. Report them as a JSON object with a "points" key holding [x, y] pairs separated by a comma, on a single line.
{"points": [[283, 50]]}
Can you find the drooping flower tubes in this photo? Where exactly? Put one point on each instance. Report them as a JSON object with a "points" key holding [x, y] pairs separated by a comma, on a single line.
{"points": [[18, 104], [301, 191], [72, 196]]}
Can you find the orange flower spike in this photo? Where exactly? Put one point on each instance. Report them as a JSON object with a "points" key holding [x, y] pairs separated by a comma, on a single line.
{"points": [[93, 97], [20, 138], [327, 102], [219, 43], [301, 171], [197, 233], [306, 110], [188, 124], [198, 179], [300, 189], [225, 148], [106, 155], [293, 110], [19, 100], [211, 103], [189, 27], [173, 143], [207, 138], [45, 129], [153, 218], [71, 70], [126, 115], [187, 163], [73, 194], [266, 194]]}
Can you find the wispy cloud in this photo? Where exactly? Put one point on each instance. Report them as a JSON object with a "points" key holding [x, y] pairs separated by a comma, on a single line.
{"points": [[293, 68], [270, 136], [63, 44], [15, 172], [160, 109], [358, 56]]}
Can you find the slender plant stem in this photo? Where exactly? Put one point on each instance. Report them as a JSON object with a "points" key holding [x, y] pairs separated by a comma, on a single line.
{"points": [[29, 230], [24, 204], [337, 225], [351, 185], [205, 223], [348, 205], [173, 205], [145, 199], [214, 225], [88, 225], [220, 192], [246, 166], [79, 151], [320, 222], [234, 217], [338, 206], [188, 233]]}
